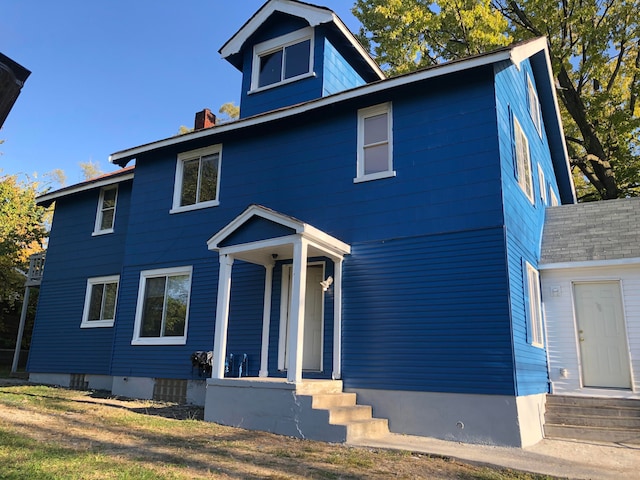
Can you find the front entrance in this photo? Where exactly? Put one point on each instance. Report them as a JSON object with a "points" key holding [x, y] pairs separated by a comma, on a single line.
{"points": [[602, 335], [313, 317]]}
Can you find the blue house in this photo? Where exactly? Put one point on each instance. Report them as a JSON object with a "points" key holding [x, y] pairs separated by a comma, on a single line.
{"points": [[359, 253]]}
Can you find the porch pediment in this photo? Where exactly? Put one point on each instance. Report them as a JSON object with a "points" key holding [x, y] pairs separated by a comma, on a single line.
{"points": [[261, 235]]}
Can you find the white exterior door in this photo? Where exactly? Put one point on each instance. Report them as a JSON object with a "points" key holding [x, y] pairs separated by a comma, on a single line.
{"points": [[313, 318], [602, 335]]}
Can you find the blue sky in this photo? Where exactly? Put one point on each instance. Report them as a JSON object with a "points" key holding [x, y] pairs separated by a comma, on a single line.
{"points": [[113, 74]]}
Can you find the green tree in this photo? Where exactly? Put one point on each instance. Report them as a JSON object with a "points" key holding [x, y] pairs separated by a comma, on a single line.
{"points": [[22, 234], [595, 53]]}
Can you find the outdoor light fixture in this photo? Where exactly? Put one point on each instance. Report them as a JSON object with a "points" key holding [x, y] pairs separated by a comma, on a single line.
{"points": [[326, 283]]}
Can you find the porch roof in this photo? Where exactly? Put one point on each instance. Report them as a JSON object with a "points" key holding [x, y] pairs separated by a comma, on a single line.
{"points": [[265, 249]]}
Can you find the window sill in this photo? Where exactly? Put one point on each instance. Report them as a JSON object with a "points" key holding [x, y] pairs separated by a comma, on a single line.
{"points": [[195, 206], [283, 82], [97, 324], [375, 176], [159, 341], [97, 233]]}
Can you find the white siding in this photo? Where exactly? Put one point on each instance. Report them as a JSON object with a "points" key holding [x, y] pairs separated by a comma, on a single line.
{"points": [[561, 332]]}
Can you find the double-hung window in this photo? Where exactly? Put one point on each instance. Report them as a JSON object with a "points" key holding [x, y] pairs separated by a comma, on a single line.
{"points": [[523, 160], [283, 59], [375, 143], [534, 105], [100, 302], [163, 307], [197, 182], [543, 185], [106, 215], [534, 313]]}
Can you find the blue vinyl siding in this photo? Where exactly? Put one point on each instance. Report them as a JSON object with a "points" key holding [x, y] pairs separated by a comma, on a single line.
{"points": [[448, 180], [429, 314], [338, 74], [58, 344], [524, 221]]}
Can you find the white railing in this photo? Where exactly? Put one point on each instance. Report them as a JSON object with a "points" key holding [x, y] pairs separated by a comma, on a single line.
{"points": [[36, 268]]}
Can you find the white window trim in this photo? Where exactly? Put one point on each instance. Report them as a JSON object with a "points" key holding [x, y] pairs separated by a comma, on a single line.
{"points": [[178, 340], [554, 199], [96, 227], [363, 114], [275, 44], [86, 323], [535, 335], [177, 186], [543, 185], [534, 105], [523, 165]]}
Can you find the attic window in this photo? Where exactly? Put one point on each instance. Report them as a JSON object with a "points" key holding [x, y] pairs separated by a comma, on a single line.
{"points": [[283, 59], [105, 216]]}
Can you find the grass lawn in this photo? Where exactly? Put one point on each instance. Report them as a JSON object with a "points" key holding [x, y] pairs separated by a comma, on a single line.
{"points": [[55, 433]]}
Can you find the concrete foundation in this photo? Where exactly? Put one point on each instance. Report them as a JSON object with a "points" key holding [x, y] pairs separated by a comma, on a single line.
{"points": [[272, 405], [59, 379], [133, 387], [481, 419]]}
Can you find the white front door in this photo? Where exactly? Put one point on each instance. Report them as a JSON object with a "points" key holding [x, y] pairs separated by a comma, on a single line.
{"points": [[313, 318], [602, 335]]}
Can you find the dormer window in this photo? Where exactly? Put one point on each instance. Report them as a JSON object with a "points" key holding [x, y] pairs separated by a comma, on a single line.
{"points": [[105, 217], [283, 59]]}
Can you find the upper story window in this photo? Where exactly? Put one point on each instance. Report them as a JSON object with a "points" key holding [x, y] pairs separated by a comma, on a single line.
{"points": [[375, 143], [100, 302], [283, 59], [163, 306], [534, 313], [554, 200], [106, 215], [197, 182], [534, 105], [543, 185], [523, 160]]}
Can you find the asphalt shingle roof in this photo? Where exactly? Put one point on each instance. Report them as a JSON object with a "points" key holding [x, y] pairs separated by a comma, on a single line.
{"points": [[606, 230]]}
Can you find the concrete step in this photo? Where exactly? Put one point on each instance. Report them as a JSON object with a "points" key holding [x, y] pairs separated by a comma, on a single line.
{"points": [[568, 400], [344, 411], [328, 400], [592, 433], [618, 421], [313, 387], [601, 411], [347, 415], [592, 418], [372, 428]]}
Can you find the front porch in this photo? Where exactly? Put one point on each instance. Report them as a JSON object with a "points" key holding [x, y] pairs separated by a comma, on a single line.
{"points": [[311, 409], [300, 405]]}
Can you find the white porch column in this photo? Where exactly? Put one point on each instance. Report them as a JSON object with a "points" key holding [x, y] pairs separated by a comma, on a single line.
{"points": [[337, 320], [222, 316], [296, 311], [266, 321]]}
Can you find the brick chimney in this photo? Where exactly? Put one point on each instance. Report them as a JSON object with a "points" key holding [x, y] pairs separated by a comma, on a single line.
{"points": [[204, 119]]}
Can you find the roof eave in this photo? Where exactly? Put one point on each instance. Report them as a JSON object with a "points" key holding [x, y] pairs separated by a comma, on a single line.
{"points": [[122, 157], [48, 198]]}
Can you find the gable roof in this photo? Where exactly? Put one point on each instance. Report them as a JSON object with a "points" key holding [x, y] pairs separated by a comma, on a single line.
{"points": [[313, 14], [591, 233], [110, 178]]}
